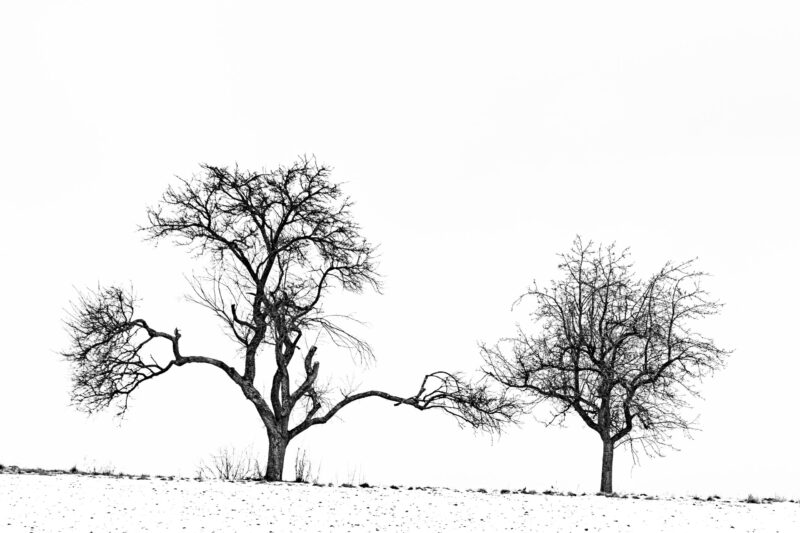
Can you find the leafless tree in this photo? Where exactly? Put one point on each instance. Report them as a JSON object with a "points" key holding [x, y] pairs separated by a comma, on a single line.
{"points": [[275, 243], [617, 350]]}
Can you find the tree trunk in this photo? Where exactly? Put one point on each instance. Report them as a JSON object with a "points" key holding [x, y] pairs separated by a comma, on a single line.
{"points": [[608, 467], [277, 454]]}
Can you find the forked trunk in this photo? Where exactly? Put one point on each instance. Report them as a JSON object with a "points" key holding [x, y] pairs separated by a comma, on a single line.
{"points": [[608, 467], [277, 454]]}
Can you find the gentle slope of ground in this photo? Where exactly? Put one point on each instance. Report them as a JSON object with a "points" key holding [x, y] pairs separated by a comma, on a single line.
{"points": [[62, 502]]}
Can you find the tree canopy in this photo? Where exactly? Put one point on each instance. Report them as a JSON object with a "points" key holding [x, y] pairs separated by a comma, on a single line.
{"points": [[619, 351], [274, 243]]}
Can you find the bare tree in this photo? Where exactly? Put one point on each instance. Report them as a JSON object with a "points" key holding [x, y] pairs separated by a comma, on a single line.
{"points": [[618, 351], [275, 243]]}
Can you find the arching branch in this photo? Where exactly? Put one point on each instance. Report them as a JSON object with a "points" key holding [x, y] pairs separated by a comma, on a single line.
{"points": [[471, 404]]}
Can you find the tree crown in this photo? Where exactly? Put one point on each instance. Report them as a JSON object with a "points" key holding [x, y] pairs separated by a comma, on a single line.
{"points": [[618, 350], [276, 240]]}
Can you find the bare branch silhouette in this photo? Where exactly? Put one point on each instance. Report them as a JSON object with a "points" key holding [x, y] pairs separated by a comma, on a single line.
{"points": [[618, 351], [277, 242]]}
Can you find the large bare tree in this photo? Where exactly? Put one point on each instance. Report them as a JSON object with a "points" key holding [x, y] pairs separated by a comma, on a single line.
{"points": [[618, 351], [274, 244]]}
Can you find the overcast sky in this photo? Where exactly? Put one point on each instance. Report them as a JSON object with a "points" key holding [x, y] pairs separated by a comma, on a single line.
{"points": [[477, 140]]}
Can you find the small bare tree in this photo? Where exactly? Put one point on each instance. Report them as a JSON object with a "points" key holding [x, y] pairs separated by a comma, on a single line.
{"points": [[618, 351], [275, 243]]}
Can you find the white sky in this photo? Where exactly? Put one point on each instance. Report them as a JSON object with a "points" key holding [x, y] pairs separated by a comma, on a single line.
{"points": [[477, 140]]}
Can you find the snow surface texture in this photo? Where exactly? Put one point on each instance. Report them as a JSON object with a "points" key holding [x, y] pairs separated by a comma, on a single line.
{"points": [[34, 503]]}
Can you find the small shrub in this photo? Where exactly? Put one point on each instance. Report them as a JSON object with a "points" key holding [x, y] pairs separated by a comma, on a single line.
{"points": [[228, 464], [302, 468], [348, 485], [752, 499], [504, 491], [395, 487], [355, 476], [365, 485], [482, 491]]}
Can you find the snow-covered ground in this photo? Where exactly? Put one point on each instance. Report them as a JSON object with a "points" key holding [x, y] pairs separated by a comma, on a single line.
{"points": [[51, 503]]}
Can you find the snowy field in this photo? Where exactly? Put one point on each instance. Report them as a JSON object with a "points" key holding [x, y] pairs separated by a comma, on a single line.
{"points": [[45, 503]]}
